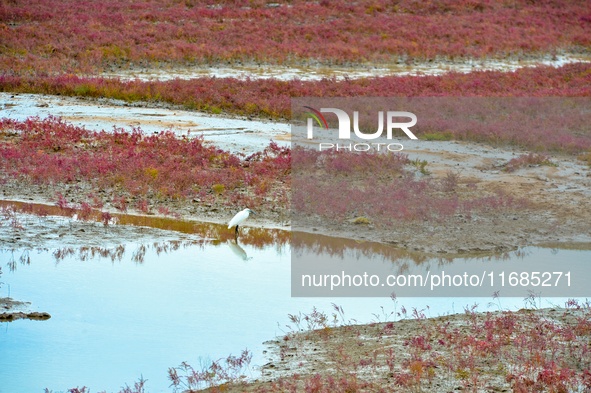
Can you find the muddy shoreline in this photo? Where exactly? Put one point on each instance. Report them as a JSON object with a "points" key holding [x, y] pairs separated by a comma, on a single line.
{"points": [[554, 196], [319, 352], [552, 209]]}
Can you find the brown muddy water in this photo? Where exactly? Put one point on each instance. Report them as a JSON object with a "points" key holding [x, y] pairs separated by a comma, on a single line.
{"points": [[137, 308]]}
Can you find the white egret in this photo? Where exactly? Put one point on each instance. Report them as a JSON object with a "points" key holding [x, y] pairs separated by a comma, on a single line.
{"points": [[239, 218]]}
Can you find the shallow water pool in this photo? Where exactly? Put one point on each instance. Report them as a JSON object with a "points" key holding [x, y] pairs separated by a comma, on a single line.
{"points": [[139, 309]]}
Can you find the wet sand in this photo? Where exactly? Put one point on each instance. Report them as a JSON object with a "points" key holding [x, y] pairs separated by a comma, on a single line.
{"points": [[436, 67]]}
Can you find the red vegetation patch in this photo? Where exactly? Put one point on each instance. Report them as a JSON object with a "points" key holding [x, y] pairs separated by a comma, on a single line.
{"points": [[131, 164], [73, 36], [525, 351], [380, 189]]}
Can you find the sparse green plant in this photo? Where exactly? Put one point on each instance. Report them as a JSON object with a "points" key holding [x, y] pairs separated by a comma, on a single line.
{"points": [[361, 221], [421, 165], [437, 136], [218, 189]]}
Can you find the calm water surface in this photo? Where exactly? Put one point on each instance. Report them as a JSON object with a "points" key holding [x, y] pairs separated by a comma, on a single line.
{"points": [[137, 311]]}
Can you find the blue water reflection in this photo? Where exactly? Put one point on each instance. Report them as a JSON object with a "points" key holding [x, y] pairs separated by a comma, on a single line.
{"points": [[144, 308]]}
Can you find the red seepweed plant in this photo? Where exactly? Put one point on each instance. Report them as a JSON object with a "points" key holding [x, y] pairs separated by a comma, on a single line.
{"points": [[49, 37], [131, 165], [545, 350], [381, 189]]}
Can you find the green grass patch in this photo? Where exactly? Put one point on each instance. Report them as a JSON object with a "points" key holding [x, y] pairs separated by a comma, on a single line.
{"points": [[437, 136]]}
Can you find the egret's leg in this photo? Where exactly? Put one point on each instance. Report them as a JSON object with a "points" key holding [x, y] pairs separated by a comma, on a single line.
{"points": [[236, 233]]}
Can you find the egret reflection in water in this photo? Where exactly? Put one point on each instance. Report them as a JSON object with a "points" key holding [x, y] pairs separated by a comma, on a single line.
{"points": [[237, 250]]}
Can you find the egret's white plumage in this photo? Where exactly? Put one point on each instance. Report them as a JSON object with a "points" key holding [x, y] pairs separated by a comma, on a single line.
{"points": [[239, 218]]}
